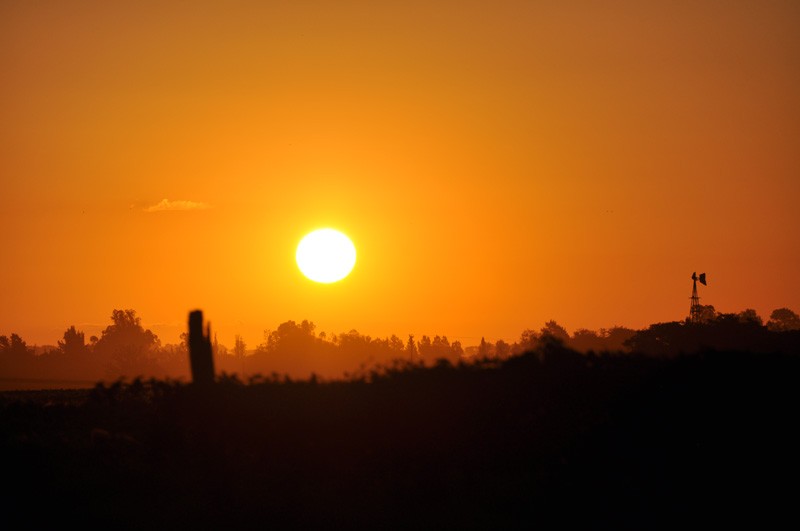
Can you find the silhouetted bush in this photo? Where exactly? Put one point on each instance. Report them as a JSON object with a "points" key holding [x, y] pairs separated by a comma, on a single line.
{"points": [[551, 435]]}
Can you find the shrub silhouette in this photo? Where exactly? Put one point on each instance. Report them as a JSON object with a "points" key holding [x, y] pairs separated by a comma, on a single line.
{"points": [[550, 435]]}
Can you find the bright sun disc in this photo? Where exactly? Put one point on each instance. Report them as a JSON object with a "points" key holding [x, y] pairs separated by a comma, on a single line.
{"points": [[325, 255]]}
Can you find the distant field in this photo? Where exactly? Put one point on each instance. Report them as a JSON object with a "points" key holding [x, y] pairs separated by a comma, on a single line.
{"points": [[31, 384], [47, 396]]}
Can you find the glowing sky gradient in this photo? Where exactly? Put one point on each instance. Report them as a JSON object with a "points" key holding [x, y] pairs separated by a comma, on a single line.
{"points": [[496, 164]]}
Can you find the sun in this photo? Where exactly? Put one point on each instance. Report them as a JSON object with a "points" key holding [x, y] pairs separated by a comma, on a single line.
{"points": [[326, 255]]}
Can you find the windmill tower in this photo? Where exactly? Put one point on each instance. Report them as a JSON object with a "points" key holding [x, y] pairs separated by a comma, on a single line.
{"points": [[695, 310]]}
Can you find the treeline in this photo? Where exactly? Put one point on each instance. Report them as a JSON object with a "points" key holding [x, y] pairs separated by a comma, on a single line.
{"points": [[126, 349]]}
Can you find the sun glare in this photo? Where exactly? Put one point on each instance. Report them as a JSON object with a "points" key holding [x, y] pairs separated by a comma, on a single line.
{"points": [[326, 255]]}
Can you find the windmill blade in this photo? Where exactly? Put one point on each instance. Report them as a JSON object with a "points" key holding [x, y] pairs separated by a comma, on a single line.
{"points": [[702, 279]]}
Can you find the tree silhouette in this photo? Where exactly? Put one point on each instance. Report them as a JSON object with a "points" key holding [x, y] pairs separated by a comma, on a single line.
{"points": [[290, 337], [425, 348], [707, 313], [293, 348], [614, 338], [750, 316], [456, 351], [584, 340], [484, 349], [126, 347], [73, 343], [552, 331], [239, 347], [528, 340], [662, 339], [411, 348], [395, 345], [501, 349], [783, 320], [14, 348]]}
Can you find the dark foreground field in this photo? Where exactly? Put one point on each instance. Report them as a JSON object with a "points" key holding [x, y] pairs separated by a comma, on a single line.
{"points": [[547, 437]]}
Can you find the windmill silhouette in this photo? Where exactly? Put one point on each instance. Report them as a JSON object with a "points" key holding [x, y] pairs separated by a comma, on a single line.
{"points": [[695, 310]]}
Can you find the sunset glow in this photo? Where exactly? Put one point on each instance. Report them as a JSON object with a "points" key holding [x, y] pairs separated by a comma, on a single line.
{"points": [[399, 264], [505, 163]]}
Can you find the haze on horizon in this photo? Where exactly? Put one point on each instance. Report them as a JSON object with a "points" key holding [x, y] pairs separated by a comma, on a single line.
{"points": [[496, 165]]}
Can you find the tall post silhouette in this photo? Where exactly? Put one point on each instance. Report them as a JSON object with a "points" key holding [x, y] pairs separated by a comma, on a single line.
{"points": [[200, 356]]}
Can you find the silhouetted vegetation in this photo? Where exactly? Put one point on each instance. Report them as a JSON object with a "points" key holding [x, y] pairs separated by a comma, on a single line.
{"points": [[125, 349], [612, 427], [550, 435], [742, 331]]}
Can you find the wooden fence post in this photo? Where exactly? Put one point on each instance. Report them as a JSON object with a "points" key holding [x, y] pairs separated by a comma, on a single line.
{"points": [[200, 355]]}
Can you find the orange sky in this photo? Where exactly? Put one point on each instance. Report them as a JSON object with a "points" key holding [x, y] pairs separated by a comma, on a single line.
{"points": [[497, 164]]}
